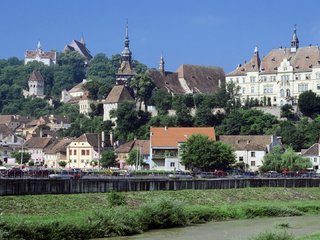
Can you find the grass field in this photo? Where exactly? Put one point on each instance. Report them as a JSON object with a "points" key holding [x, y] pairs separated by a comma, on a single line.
{"points": [[85, 216]]}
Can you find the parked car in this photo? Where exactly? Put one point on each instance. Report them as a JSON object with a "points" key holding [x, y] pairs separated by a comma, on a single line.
{"points": [[180, 175], [61, 175]]}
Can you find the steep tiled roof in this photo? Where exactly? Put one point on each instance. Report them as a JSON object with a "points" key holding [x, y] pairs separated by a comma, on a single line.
{"points": [[144, 145], [189, 78], [301, 60], [247, 142], [312, 151], [119, 93], [78, 47], [36, 76], [170, 137], [91, 138], [58, 146], [5, 131], [37, 142], [6, 119], [77, 88]]}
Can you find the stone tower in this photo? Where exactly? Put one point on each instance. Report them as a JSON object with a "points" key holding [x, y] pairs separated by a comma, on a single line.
{"points": [[36, 84]]}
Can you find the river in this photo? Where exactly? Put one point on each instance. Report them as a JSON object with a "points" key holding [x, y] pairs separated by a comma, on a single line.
{"points": [[231, 230]]}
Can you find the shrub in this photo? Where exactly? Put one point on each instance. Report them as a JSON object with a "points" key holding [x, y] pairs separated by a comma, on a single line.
{"points": [[270, 211], [163, 213], [116, 199], [273, 236]]}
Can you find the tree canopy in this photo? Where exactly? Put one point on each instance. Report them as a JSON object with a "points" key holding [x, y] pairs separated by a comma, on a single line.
{"points": [[202, 153]]}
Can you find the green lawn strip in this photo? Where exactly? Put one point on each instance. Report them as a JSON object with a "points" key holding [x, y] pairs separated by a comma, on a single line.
{"points": [[314, 236]]}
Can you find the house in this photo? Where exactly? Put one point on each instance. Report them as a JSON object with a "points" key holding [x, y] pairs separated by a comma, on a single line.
{"points": [[312, 153], [56, 152], [188, 79], [81, 152], [47, 58], [12, 121], [80, 47], [143, 146], [165, 143], [36, 85], [280, 76], [35, 146], [250, 149]]}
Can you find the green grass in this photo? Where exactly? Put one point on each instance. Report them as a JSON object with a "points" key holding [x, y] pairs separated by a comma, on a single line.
{"points": [[92, 215]]}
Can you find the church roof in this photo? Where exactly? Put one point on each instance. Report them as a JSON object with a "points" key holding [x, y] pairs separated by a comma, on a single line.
{"points": [[189, 78], [36, 76], [32, 54], [78, 47], [119, 93]]}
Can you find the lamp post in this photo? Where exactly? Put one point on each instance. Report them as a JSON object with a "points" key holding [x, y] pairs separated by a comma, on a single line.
{"points": [[21, 157]]}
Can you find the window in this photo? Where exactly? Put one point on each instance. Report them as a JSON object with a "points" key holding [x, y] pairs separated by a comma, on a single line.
{"points": [[253, 163], [172, 164], [253, 154], [70, 152], [241, 159], [318, 86], [243, 90], [315, 160], [237, 80], [252, 89], [308, 76], [302, 87], [74, 152], [317, 75], [272, 78], [263, 78], [82, 161], [281, 93], [252, 79], [268, 89], [88, 152], [83, 152], [75, 160], [274, 99], [298, 77], [243, 80], [288, 92]]}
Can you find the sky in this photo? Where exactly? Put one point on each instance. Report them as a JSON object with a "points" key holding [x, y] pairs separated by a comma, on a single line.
{"points": [[201, 32]]}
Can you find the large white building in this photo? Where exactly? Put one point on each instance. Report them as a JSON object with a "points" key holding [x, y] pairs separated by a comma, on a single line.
{"points": [[281, 76], [47, 58]]}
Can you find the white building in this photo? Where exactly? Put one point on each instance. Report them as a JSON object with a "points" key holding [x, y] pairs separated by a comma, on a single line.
{"points": [[36, 85], [281, 76], [313, 154], [250, 149], [39, 55]]}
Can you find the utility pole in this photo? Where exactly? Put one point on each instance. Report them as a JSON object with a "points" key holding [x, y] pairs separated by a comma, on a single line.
{"points": [[21, 157]]}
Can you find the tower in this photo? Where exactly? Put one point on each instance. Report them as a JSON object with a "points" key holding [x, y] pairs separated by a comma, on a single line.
{"points": [[125, 71], [161, 66], [36, 84], [294, 40]]}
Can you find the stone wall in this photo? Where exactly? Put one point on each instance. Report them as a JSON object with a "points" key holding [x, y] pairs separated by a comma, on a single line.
{"points": [[59, 186]]}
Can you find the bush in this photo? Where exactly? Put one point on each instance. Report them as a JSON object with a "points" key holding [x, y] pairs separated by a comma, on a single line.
{"points": [[270, 211], [273, 236], [163, 213], [116, 199]]}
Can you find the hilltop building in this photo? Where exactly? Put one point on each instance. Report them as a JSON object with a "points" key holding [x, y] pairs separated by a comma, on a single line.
{"points": [[80, 47], [48, 58], [279, 77], [188, 79], [36, 85]]}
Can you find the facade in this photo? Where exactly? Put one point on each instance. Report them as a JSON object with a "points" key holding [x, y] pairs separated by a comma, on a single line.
{"points": [[84, 104], [143, 146], [80, 47], [36, 85], [250, 149], [47, 58], [188, 79], [35, 146], [281, 76], [165, 143], [313, 154], [82, 151]]}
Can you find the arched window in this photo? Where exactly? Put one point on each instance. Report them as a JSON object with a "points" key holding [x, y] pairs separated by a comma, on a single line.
{"points": [[281, 103], [281, 93], [288, 93]]}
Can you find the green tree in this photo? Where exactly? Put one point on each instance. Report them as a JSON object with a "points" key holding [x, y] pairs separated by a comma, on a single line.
{"points": [[108, 159], [134, 157], [287, 111], [142, 86], [279, 159], [201, 152], [309, 103], [162, 101], [25, 157], [62, 164]]}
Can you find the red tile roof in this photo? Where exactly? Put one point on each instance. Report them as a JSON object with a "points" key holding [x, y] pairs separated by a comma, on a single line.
{"points": [[170, 137]]}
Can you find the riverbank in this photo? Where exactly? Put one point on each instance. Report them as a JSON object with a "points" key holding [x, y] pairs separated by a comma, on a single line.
{"points": [[86, 216]]}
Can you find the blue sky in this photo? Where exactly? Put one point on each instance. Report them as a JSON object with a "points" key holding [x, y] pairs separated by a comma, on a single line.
{"points": [[203, 32]]}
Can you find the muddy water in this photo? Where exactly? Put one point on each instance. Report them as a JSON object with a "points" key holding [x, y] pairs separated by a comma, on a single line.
{"points": [[232, 230]]}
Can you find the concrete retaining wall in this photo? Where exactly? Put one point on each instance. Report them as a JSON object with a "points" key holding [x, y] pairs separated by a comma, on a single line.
{"points": [[50, 186]]}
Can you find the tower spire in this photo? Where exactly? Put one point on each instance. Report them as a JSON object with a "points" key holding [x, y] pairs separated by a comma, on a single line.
{"points": [[39, 45], [82, 39], [161, 66], [294, 40]]}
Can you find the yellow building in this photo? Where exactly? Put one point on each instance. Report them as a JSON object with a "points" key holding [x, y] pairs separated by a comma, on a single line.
{"points": [[82, 151]]}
